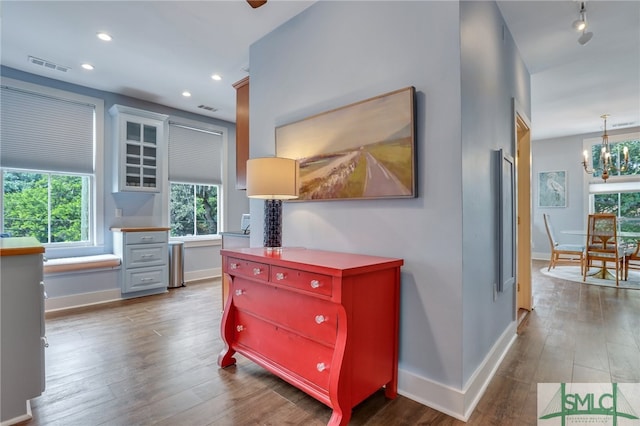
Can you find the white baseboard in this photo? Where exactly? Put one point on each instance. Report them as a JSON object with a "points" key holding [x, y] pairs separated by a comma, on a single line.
{"points": [[540, 256], [202, 274], [19, 419], [84, 299], [457, 403]]}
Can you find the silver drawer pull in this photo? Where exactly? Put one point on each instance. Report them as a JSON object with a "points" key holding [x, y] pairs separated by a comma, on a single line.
{"points": [[240, 328], [320, 319], [234, 266], [257, 271], [314, 283], [321, 366], [146, 238], [146, 279], [280, 276], [239, 292], [46, 342], [146, 256]]}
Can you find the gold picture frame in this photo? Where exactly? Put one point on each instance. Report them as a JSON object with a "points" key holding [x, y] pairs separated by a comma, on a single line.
{"points": [[365, 150]]}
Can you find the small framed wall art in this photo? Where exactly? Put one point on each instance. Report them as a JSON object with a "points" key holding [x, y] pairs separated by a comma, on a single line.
{"points": [[552, 189]]}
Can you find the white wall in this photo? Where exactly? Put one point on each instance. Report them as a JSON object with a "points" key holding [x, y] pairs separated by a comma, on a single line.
{"points": [[336, 53]]}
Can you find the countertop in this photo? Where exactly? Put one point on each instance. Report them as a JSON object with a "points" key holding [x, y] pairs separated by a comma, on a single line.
{"points": [[17, 246]]}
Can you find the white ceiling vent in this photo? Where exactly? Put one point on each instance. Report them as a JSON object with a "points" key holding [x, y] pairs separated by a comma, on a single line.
{"points": [[48, 64], [208, 108]]}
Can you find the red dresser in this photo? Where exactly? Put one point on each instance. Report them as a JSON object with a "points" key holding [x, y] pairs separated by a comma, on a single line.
{"points": [[325, 322]]}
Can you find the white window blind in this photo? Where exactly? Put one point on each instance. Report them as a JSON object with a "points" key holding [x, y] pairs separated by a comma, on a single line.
{"points": [[43, 132], [195, 155]]}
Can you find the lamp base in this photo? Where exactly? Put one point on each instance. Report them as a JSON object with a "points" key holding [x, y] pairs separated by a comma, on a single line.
{"points": [[272, 223]]}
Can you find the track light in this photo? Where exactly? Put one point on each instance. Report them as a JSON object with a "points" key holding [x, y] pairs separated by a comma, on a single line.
{"points": [[580, 24]]}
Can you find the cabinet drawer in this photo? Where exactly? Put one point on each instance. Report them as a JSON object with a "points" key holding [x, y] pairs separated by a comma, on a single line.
{"points": [[309, 281], [145, 279], [314, 318], [245, 268], [144, 255], [304, 357], [150, 237]]}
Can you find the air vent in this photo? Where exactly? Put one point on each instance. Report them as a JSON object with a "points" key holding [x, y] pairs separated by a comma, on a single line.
{"points": [[208, 108], [48, 64], [627, 124]]}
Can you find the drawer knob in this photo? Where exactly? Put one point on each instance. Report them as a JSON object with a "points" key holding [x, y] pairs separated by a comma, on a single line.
{"points": [[320, 319], [240, 328], [146, 279], [321, 366], [315, 283], [257, 271], [234, 266], [280, 276], [239, 292], [146, 238]]}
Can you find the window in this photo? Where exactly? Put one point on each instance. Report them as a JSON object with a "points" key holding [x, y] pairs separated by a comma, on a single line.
{"points": [[621, 194], [51, 181], [52, 207], [193, 209], [195, 179]]}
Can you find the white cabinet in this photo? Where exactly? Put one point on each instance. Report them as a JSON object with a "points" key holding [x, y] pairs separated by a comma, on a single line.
{"points": [[145, 260], [139, 146], [22, 374]]}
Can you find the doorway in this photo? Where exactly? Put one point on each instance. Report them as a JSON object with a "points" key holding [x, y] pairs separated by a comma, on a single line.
{"points": [[524, 298]]}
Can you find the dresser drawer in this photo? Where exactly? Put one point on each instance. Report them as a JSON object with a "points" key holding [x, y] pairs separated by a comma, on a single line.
{"points": [[245, 268], [146, 278], [150, 237], [304, 357], [144, 255], [316, 319], [309, 281]]}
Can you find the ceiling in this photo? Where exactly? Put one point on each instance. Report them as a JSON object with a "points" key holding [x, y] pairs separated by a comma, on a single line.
{"points": [[161, 48]]}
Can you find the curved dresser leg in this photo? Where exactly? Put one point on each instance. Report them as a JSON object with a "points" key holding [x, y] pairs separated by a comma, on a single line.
{"points": [[338, 418]]}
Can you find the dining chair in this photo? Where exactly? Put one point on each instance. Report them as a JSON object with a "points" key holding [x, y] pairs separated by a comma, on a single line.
{"points": [[562, 253], [632, 261], [602, 245]]}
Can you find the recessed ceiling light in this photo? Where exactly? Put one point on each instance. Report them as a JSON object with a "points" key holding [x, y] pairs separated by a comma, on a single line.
{"points": [[104, 36], [87, 66], [186, 94], [216, 77]]}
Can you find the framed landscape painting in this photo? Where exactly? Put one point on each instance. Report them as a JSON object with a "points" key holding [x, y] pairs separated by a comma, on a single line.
{"points": [[365, 150], [552, 189]]}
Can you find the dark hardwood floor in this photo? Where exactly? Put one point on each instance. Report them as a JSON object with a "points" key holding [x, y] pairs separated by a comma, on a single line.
{"points": [[153, 361]]}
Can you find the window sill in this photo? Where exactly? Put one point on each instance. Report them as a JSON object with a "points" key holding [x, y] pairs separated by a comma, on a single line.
{"points": [[198, 241]]}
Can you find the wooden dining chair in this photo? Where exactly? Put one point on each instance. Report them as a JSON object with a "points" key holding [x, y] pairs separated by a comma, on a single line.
{"points": [[632, 261], [602, 245], [562, 253]]}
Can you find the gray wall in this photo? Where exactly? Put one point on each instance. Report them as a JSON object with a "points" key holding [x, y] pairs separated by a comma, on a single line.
{"points": [[336, 53], [492, 75]]}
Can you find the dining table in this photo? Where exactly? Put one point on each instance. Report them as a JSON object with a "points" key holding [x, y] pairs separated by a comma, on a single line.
{"points": [[604, 273]]}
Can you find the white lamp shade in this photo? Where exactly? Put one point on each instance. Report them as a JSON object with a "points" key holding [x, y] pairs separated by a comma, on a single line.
{"points": [[272, 178]]}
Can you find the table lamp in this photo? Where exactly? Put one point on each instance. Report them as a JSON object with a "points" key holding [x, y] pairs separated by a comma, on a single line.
{"points": [[272, 179]]}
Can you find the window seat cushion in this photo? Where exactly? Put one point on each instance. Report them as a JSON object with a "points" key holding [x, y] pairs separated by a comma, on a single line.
{"points": [[68, 264]]}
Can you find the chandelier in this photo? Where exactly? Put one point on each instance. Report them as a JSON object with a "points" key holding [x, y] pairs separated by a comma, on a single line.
{"points": [[606, 164]]}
